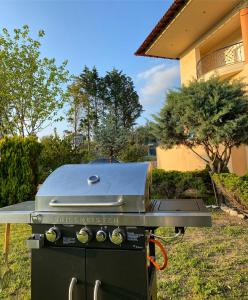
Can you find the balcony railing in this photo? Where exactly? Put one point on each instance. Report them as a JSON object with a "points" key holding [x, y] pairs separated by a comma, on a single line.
{"points": [[228, 55]]}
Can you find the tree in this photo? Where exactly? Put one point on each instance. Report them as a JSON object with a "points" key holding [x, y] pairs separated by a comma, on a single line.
{"points": [[90, 84], [212, 114], [143, 135], [110, 137], [134, 153], [85, 103], [75, 111], [77, 115], [31, 87], [120, 97], [93, 97]]}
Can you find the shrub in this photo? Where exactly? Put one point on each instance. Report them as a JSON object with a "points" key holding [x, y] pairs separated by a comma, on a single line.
{"points": [[58, 151], [18, 169], [235, 186], [175, 184]]}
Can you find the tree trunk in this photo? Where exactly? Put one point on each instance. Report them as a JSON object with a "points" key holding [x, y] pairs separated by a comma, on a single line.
{"points": [[88, 126]]}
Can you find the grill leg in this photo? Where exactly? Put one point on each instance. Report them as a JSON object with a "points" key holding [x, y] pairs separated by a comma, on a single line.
{"points": [[6, 241]]}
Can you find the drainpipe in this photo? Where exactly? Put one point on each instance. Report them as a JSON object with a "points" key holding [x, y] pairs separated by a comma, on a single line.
{"points": [[244, 28]]}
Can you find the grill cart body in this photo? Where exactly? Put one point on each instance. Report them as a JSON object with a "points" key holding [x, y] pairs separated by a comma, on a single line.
{"points": [[90, 229]]}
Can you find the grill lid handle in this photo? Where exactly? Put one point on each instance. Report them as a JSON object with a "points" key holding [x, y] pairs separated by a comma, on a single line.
{"points": [[54, 203]]}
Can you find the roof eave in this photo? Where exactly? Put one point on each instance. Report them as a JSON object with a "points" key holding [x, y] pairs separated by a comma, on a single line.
{"points": [[156, 56], [167, 18]]}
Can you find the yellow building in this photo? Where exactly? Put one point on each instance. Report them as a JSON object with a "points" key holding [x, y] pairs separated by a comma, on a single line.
{"points": [[209, 37]]}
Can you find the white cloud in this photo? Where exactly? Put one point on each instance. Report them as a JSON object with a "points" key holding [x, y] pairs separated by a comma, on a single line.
{"points": [[150, 72], [155, 82]]}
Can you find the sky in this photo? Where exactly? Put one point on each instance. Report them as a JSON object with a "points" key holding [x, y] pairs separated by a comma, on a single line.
{"points": [[99, 33]]}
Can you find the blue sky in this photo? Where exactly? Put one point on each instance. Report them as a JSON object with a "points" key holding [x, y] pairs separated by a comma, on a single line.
{"points": [[101, 33]]}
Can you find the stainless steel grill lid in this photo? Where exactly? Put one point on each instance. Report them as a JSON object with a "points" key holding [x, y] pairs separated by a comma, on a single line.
{"points": [[96, 188]]}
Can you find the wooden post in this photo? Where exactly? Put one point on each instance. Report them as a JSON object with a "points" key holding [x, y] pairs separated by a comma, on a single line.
{"points": [[6, 241]]}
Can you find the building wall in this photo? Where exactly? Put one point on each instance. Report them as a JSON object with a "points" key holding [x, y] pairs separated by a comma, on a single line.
{"points": [[240, 155], [239, 160], [188, 66], [181, 158]]}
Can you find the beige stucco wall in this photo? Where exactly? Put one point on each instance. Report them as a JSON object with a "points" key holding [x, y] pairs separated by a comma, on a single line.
{"points": [[181, 158], [240, 155], [188, 66], [243, 74], [239, 162]]}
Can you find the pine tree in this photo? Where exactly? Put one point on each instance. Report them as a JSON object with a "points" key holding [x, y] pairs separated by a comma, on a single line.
{"points": [[212, 114]]}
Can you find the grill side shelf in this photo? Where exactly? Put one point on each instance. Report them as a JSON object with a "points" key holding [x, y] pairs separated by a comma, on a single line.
{"points": [[179, 213], [17, 213]]}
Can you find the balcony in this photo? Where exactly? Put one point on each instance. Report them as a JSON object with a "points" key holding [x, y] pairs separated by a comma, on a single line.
{"points": [[227, 56]]}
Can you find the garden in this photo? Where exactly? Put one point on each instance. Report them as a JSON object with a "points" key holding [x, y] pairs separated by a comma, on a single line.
{"points": [[208, 263], [101, 114]]}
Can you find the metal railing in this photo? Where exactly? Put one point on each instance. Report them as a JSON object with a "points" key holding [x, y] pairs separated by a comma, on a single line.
{"points": [[228, 55]]}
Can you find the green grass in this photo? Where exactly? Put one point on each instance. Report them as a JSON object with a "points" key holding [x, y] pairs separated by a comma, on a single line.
{"points": [[15, 276], [209, 263]]}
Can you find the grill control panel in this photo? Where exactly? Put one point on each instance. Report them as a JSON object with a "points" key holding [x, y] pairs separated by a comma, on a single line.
{"points": [[92, 236]]}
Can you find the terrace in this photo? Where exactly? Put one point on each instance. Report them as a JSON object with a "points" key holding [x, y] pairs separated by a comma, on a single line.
{"points": [[231, 55]]}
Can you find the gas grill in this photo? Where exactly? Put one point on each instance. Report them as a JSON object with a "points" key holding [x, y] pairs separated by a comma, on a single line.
{"points": [[93, 230]]}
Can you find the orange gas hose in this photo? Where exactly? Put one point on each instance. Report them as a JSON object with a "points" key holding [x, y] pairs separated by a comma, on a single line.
{"points": [[161, 247]]}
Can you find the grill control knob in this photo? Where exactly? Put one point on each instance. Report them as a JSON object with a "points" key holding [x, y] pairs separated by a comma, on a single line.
{"points": [[101, 236], [84, 235], [52, 234], [118, 236]]}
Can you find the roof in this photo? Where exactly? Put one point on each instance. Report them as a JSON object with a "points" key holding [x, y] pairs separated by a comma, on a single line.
{"points": [[167, 18]]}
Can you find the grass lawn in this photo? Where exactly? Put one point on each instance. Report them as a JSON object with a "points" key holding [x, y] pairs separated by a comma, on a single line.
{"points": [[209, 263]]}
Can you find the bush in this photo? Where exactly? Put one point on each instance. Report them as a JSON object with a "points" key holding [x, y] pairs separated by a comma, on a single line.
{"points": [[58, 151], [134, 153], [235, 186], [175, 184], [18, 169]]}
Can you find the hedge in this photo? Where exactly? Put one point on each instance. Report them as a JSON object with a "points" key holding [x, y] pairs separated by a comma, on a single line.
{"points": [[175, 184], [234, 187], [18, 169]]}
